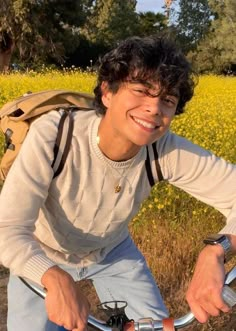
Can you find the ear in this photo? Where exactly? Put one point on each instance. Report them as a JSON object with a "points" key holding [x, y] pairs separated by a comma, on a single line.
{"points": [[106, 94]]}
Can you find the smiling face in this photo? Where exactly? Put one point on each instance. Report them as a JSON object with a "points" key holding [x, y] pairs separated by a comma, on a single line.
{"points": [[136, 114]]}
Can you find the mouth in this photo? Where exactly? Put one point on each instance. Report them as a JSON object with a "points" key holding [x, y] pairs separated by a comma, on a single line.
{"points": [[150, 126]]}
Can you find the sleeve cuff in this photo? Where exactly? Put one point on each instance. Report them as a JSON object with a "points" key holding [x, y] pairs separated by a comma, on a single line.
{"points": [[36, 267], [230, 227]]}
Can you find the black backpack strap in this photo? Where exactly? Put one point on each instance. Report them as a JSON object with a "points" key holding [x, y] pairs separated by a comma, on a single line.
{"points": [[158, 167], [149, 169], [63, 141]]}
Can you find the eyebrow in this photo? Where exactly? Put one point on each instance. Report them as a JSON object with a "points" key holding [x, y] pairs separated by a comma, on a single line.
{"points": [[174, 92], [143, 82], [147, 84]]}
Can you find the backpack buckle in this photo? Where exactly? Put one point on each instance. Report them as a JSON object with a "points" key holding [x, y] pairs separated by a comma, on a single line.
{"points": [[8, 142]]}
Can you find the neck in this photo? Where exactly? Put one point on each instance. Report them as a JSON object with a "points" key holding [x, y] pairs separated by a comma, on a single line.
{"points": [[113, 146]]}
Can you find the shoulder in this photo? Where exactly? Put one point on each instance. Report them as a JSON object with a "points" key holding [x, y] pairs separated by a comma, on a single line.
{"points": [[82, 119], [47, 124], [178, 155], [172, 143]]}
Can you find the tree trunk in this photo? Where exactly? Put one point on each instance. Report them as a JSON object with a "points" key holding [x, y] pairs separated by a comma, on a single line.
{"points": [[6, 49]]}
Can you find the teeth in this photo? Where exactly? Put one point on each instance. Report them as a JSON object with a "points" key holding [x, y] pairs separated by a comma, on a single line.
{"points": [[145, 124]]}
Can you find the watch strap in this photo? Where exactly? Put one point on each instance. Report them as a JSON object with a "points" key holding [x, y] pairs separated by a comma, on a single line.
{"points": [[224, 242]]}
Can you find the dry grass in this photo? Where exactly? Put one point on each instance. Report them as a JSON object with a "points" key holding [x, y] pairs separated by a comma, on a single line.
{"points": [[171, 249]]}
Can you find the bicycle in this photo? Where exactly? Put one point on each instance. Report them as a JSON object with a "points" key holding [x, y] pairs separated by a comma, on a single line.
{"points": [[118, 321]]}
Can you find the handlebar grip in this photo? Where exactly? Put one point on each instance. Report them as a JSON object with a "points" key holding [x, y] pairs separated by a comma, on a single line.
{"points": [[229, 296]]}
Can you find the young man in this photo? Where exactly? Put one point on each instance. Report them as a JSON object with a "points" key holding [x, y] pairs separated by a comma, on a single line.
{"points": [[56, 232]]}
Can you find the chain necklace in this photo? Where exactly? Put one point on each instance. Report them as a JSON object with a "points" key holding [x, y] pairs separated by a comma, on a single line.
{"points": [[117, 186]]}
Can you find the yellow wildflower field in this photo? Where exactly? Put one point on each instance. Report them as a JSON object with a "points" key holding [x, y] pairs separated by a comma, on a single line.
{"points": [[209, 119]]}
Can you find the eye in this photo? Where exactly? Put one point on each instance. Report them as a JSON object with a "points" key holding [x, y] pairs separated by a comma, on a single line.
{"points": [[139, 91], [170, 101], [142, 91]]}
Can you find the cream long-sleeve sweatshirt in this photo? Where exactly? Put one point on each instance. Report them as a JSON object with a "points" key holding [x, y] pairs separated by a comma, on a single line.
{"points": [[77, 218]]}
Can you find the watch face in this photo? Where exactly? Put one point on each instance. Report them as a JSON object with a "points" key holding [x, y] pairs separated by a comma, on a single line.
{"points": [[214, 239]]}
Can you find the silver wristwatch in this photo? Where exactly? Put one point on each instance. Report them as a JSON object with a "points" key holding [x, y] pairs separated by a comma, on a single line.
{"points": [[223, 240]]}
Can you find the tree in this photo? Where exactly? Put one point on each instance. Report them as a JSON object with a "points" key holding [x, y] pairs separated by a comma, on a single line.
{"points": [[193, 21], [6, 49], [216, 52], [40, 29], [111, 21], [151, 23], [13, 27]]}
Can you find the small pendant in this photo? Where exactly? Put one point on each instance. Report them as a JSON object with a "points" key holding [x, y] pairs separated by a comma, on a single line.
{"points": [[117, 188]]}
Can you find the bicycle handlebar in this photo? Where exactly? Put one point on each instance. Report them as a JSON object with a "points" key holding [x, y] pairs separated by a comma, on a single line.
{"points": [[148, 324]]}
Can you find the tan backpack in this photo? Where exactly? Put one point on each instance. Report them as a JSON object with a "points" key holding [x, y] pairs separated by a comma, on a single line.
{"points": [[17, 115]]}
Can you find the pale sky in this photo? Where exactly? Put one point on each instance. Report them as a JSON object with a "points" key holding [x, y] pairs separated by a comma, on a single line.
{"points": [[150, 5]]}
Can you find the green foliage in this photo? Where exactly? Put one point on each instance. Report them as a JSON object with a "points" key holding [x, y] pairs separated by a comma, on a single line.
{"points": [[216, 53], [41, 30], [193, 20], [151, 23], [111, 21], [77, 32]]}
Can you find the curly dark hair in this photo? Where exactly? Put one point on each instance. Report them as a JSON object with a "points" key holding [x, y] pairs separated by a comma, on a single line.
{"points": [[153, 59]]}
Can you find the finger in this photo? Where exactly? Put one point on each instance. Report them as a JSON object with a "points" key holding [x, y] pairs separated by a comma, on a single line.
{"points": [[81, 325], [80, 329], [77, 326], [210, 309], [225, 309], [200, 314], [222, 305], [216, 300], [212, 304]]}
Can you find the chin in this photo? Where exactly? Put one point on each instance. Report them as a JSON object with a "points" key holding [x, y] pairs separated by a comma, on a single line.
{"points": [[141, 140]]}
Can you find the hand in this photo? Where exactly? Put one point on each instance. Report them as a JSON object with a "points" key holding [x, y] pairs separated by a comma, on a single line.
{"points": [[204, 293], [65, 304]]}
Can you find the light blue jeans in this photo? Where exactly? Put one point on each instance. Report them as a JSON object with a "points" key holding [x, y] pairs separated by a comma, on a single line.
{"points": [[123, 275]]}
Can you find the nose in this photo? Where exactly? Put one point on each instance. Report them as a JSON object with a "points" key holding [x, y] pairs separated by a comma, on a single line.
{"points": [[153, 105]]}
